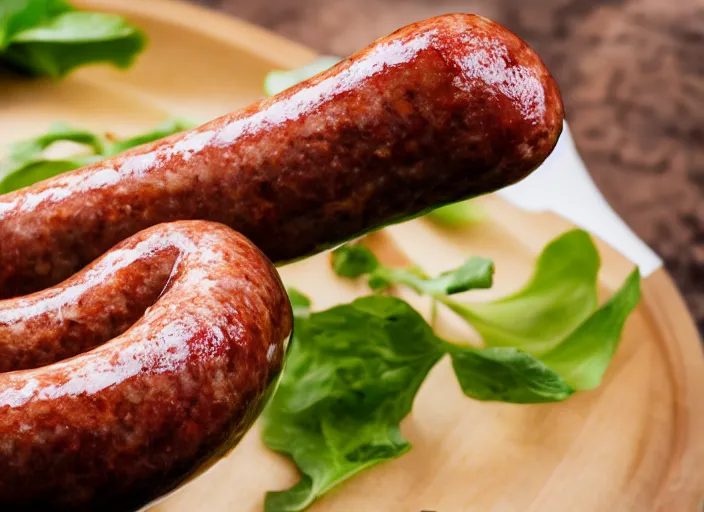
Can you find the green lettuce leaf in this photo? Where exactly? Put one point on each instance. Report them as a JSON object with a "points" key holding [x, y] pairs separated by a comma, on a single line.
{"points": [[26, 150], [36, 170], [351, 376], [168, 127], [19, 15], [507, 374], [353, 371], [583, 357], [300, 304], [457, 214], [279, 80], [49, 37], [557, 299], [27, 163], [475, 273], [354, 260], [551, 329]]}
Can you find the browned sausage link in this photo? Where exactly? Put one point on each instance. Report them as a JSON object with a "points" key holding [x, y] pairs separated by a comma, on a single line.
{"points": [[117, 426], [441, 110], [83, 312]]}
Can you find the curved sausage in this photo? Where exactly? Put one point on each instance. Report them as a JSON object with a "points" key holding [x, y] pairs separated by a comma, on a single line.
{"points": [[119, 425], [441, 110]]}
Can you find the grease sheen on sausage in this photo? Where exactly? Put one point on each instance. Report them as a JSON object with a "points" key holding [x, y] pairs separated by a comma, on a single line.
{"points": [[441, 110], [116, 426]]}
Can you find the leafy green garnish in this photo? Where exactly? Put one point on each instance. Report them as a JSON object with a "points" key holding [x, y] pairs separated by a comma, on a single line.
{"points": [[561, 294], [351, 376], [36, 170], [281, 79], [168, 127], [29, 149], [355, 260], [300, 304], [26, 163], [474, 274], [353, 371], [583, 357], [550, 332], [507, 374], [457, 214], [19, 15], [49, 37], [553, 319]]}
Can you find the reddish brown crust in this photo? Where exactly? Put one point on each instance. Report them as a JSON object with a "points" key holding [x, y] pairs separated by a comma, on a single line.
{"points": [[441, 110], [83, 312], [115, 427]]}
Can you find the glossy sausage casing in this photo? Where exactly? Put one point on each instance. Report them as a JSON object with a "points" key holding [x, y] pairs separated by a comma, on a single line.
{"points": [[441, 110], [119, 425]]}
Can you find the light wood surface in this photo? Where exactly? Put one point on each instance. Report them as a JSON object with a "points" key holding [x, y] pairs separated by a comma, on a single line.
{"points": [[636, 443]]}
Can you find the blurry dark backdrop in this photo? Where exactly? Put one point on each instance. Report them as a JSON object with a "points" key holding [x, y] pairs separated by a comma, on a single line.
{"points": [[632, 76]]}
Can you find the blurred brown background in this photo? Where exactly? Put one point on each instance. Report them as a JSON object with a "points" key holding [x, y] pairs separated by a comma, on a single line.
{"points": [[632, 76]]}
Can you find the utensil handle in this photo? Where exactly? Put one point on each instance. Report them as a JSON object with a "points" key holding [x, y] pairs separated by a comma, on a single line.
{"points": [[563, 186]]}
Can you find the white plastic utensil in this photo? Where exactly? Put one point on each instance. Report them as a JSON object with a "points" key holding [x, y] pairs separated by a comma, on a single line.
{"points": [[562, 185]]}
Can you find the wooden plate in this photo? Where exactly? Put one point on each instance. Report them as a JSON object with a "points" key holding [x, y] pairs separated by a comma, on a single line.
{"points": [[634, 444]]}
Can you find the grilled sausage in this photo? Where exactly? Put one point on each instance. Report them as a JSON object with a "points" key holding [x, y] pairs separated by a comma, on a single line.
{"points": [[114, 427], [442, 110], [439, 111]]}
